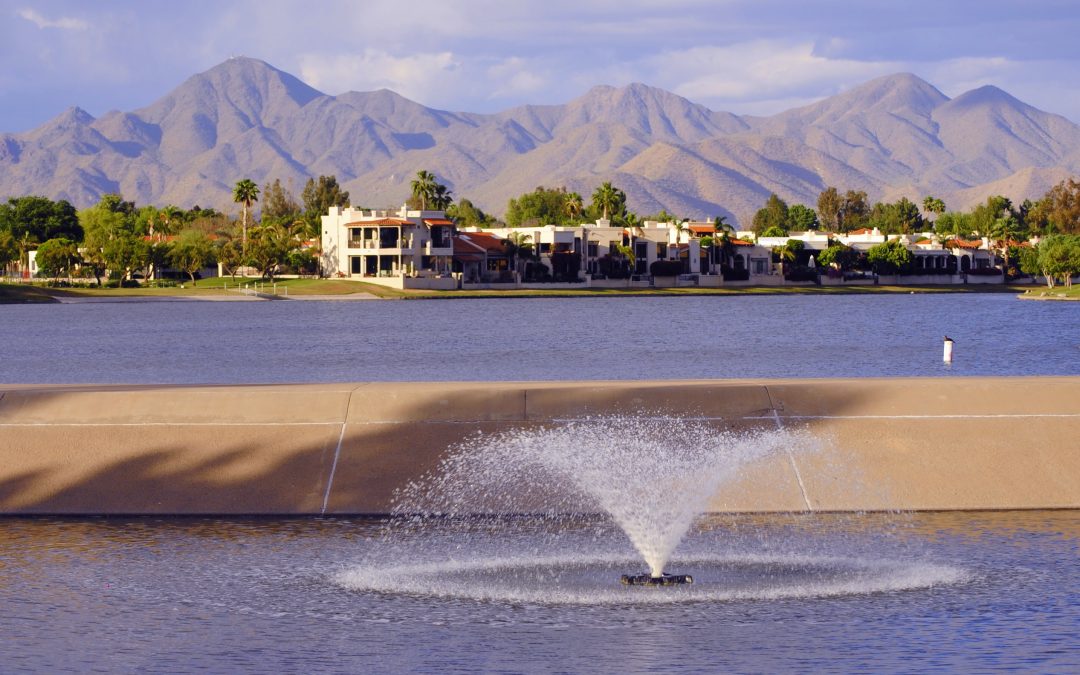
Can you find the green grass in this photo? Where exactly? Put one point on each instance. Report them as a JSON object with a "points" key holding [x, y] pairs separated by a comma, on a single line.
{"points": [[24, 294], [1055, 293]]}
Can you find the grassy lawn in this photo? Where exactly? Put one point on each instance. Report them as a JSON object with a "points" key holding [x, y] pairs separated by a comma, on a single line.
{"points": [[23, 293], [1055, 293], [205, 288]]}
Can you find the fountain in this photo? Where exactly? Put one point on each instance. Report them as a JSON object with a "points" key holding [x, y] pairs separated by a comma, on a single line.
{"points": [[533, 514]]}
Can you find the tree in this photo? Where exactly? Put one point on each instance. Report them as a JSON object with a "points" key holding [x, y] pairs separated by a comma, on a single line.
{"points": [[127, 253], [722, 245], [1029, 261], [270, 247], [838, 255], [854, 211], [608, 200], [933, 205], [102, 223], [423, 187], [319, 195], [1059, 258], [953, 224], [440, 197], [680, 227], [466, 214], [1005, 232], [246, 192], [279, 206], [901, 217], [192, 252], [773, 214], [33, 220], [230, 255], [789, 252], [56, 256], [1061, 208], [829, 205], [984, 215], [802, 218], [518, 246], [891, 257], [542, 206], [573, 205], [9, 249], [170, 218]]}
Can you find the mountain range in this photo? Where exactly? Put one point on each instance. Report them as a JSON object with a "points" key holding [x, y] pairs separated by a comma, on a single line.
{"points": [[892, 136]]}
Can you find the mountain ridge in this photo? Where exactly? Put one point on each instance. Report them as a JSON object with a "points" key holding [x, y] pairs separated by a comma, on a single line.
{"points": [[895, 135]]}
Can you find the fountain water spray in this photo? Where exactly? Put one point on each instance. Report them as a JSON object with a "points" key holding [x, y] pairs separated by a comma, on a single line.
{"points": [[651, 475]]}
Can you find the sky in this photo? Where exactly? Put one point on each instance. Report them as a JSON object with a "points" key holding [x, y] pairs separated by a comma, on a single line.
{"points": [[755, 57]]}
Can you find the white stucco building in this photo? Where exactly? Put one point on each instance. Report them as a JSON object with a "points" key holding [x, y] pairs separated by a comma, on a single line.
{"points": [[403, 249]]}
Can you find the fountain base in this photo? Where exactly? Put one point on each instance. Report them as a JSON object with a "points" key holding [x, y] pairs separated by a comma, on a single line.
{"points": [[662, 580]]}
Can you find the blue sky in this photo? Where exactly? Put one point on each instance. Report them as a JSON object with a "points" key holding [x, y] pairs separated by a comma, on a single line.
{"points": [[743, 56]]}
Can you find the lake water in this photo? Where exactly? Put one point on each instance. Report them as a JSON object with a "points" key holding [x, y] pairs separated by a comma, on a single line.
{"points": [[823, 593], [538, 339], [871, 593]]}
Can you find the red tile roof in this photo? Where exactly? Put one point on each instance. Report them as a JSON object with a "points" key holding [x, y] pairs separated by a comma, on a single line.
{"points": [[862, 230], [702, 229], [474, 242], [437, 221], [380, 221], [960, 243]]}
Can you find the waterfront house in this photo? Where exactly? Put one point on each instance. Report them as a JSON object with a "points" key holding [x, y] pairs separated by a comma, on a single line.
{"points": [[402, 249]]}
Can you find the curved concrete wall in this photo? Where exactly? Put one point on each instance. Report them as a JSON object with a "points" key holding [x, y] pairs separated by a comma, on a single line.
{"points": [[963, 443]]}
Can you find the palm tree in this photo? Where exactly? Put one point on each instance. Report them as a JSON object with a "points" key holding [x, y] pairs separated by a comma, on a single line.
{"points": [[680, 227], [1003, 231], [440, 197], [722, 241], [573, 206], [933, 205], [423, 187], [518, 246], [608, 198], [168, 214], [246, 192]]}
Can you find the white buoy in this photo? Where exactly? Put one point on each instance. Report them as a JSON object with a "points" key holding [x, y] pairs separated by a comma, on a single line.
{"points": [[947, 356]]}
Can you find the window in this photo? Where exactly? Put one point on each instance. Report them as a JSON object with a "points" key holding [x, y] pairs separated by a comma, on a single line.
{"points": [[661, 251], [594, 249]]}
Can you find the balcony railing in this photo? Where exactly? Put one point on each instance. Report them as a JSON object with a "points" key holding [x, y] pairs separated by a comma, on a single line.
{"points": [[374, 244]]}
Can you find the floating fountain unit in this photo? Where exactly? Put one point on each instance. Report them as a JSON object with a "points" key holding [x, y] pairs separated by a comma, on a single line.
{"points": [[661, 580]]}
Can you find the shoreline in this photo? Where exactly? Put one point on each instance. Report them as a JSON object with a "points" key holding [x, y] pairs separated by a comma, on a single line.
{"points": [[30, 294]]}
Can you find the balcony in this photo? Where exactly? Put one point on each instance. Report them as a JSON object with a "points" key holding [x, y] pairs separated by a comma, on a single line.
{"points": [[381, 245]]}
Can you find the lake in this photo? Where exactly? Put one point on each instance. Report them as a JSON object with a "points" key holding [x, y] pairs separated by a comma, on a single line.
{"points": [[538, 339], [958, 592], [862, 592]]}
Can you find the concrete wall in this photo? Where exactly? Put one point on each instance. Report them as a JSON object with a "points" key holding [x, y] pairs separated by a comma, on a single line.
{"points": [[960, 443]]}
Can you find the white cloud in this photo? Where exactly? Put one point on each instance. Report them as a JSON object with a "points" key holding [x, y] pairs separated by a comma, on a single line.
{"points": [[759, 71], [513, 77], [424, 77], [65, 23]]}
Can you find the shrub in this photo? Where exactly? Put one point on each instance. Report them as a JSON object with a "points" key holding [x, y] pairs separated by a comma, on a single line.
{"points": [[666, 268]]}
